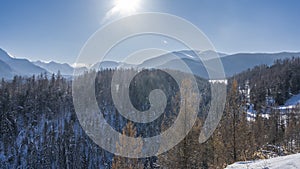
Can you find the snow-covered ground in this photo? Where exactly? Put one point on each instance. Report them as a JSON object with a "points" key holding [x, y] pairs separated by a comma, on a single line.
{"points": [[293, 100], [284, 162], [290, 104]]}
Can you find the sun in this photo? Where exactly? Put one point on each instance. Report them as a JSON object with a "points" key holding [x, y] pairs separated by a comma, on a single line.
{"points": [[126, 6]]}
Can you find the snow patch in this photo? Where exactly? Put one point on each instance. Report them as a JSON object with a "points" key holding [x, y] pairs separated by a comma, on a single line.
{"points": [[293, 100], [286, 162]]}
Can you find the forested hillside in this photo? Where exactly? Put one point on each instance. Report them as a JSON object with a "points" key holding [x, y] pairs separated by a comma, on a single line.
{"points": [[281, 81], [39, 127]]}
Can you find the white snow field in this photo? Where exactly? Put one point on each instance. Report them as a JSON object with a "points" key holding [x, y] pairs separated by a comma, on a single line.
{"points": [[284, 162]]}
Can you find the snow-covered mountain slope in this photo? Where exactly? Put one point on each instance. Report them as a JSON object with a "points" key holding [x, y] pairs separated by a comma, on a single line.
{"points": [[284, 162], [24, 67], [4, 56], [5, 70], [19, 66]]}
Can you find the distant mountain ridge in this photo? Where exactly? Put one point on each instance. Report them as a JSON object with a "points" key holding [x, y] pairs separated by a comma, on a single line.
{"points": [[233, 64], [236, 63], [53, 67], [12, 66]]}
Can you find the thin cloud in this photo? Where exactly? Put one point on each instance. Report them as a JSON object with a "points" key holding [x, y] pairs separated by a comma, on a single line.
{"points": [[112, 12], [122, 8]]}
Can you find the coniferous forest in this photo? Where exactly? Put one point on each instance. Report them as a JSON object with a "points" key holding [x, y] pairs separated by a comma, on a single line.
{"points": [[40, 129]]}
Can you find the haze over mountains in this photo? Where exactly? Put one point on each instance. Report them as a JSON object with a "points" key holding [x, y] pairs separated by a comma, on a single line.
{"points": [[233, 64]]}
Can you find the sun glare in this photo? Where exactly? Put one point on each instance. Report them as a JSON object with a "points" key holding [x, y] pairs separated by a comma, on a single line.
{"points": [[126, 6]]}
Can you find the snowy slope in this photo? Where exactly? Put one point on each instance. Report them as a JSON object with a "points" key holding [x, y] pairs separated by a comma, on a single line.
{"points": [[285, 162], [14, 66], [293, 100], [5, 70], [290, 103]]}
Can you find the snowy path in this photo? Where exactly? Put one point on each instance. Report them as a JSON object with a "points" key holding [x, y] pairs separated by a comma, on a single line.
{"points": [[286, 162]]}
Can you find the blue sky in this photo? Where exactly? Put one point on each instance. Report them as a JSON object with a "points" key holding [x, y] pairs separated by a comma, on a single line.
{"points": [[57, 30]]}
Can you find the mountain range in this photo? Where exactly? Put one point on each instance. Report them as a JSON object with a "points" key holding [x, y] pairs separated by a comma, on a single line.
{"points": [[233, 64], [10, 66]]}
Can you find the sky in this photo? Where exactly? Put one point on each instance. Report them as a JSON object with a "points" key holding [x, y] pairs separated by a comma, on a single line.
{"points": [[57, 30]]}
